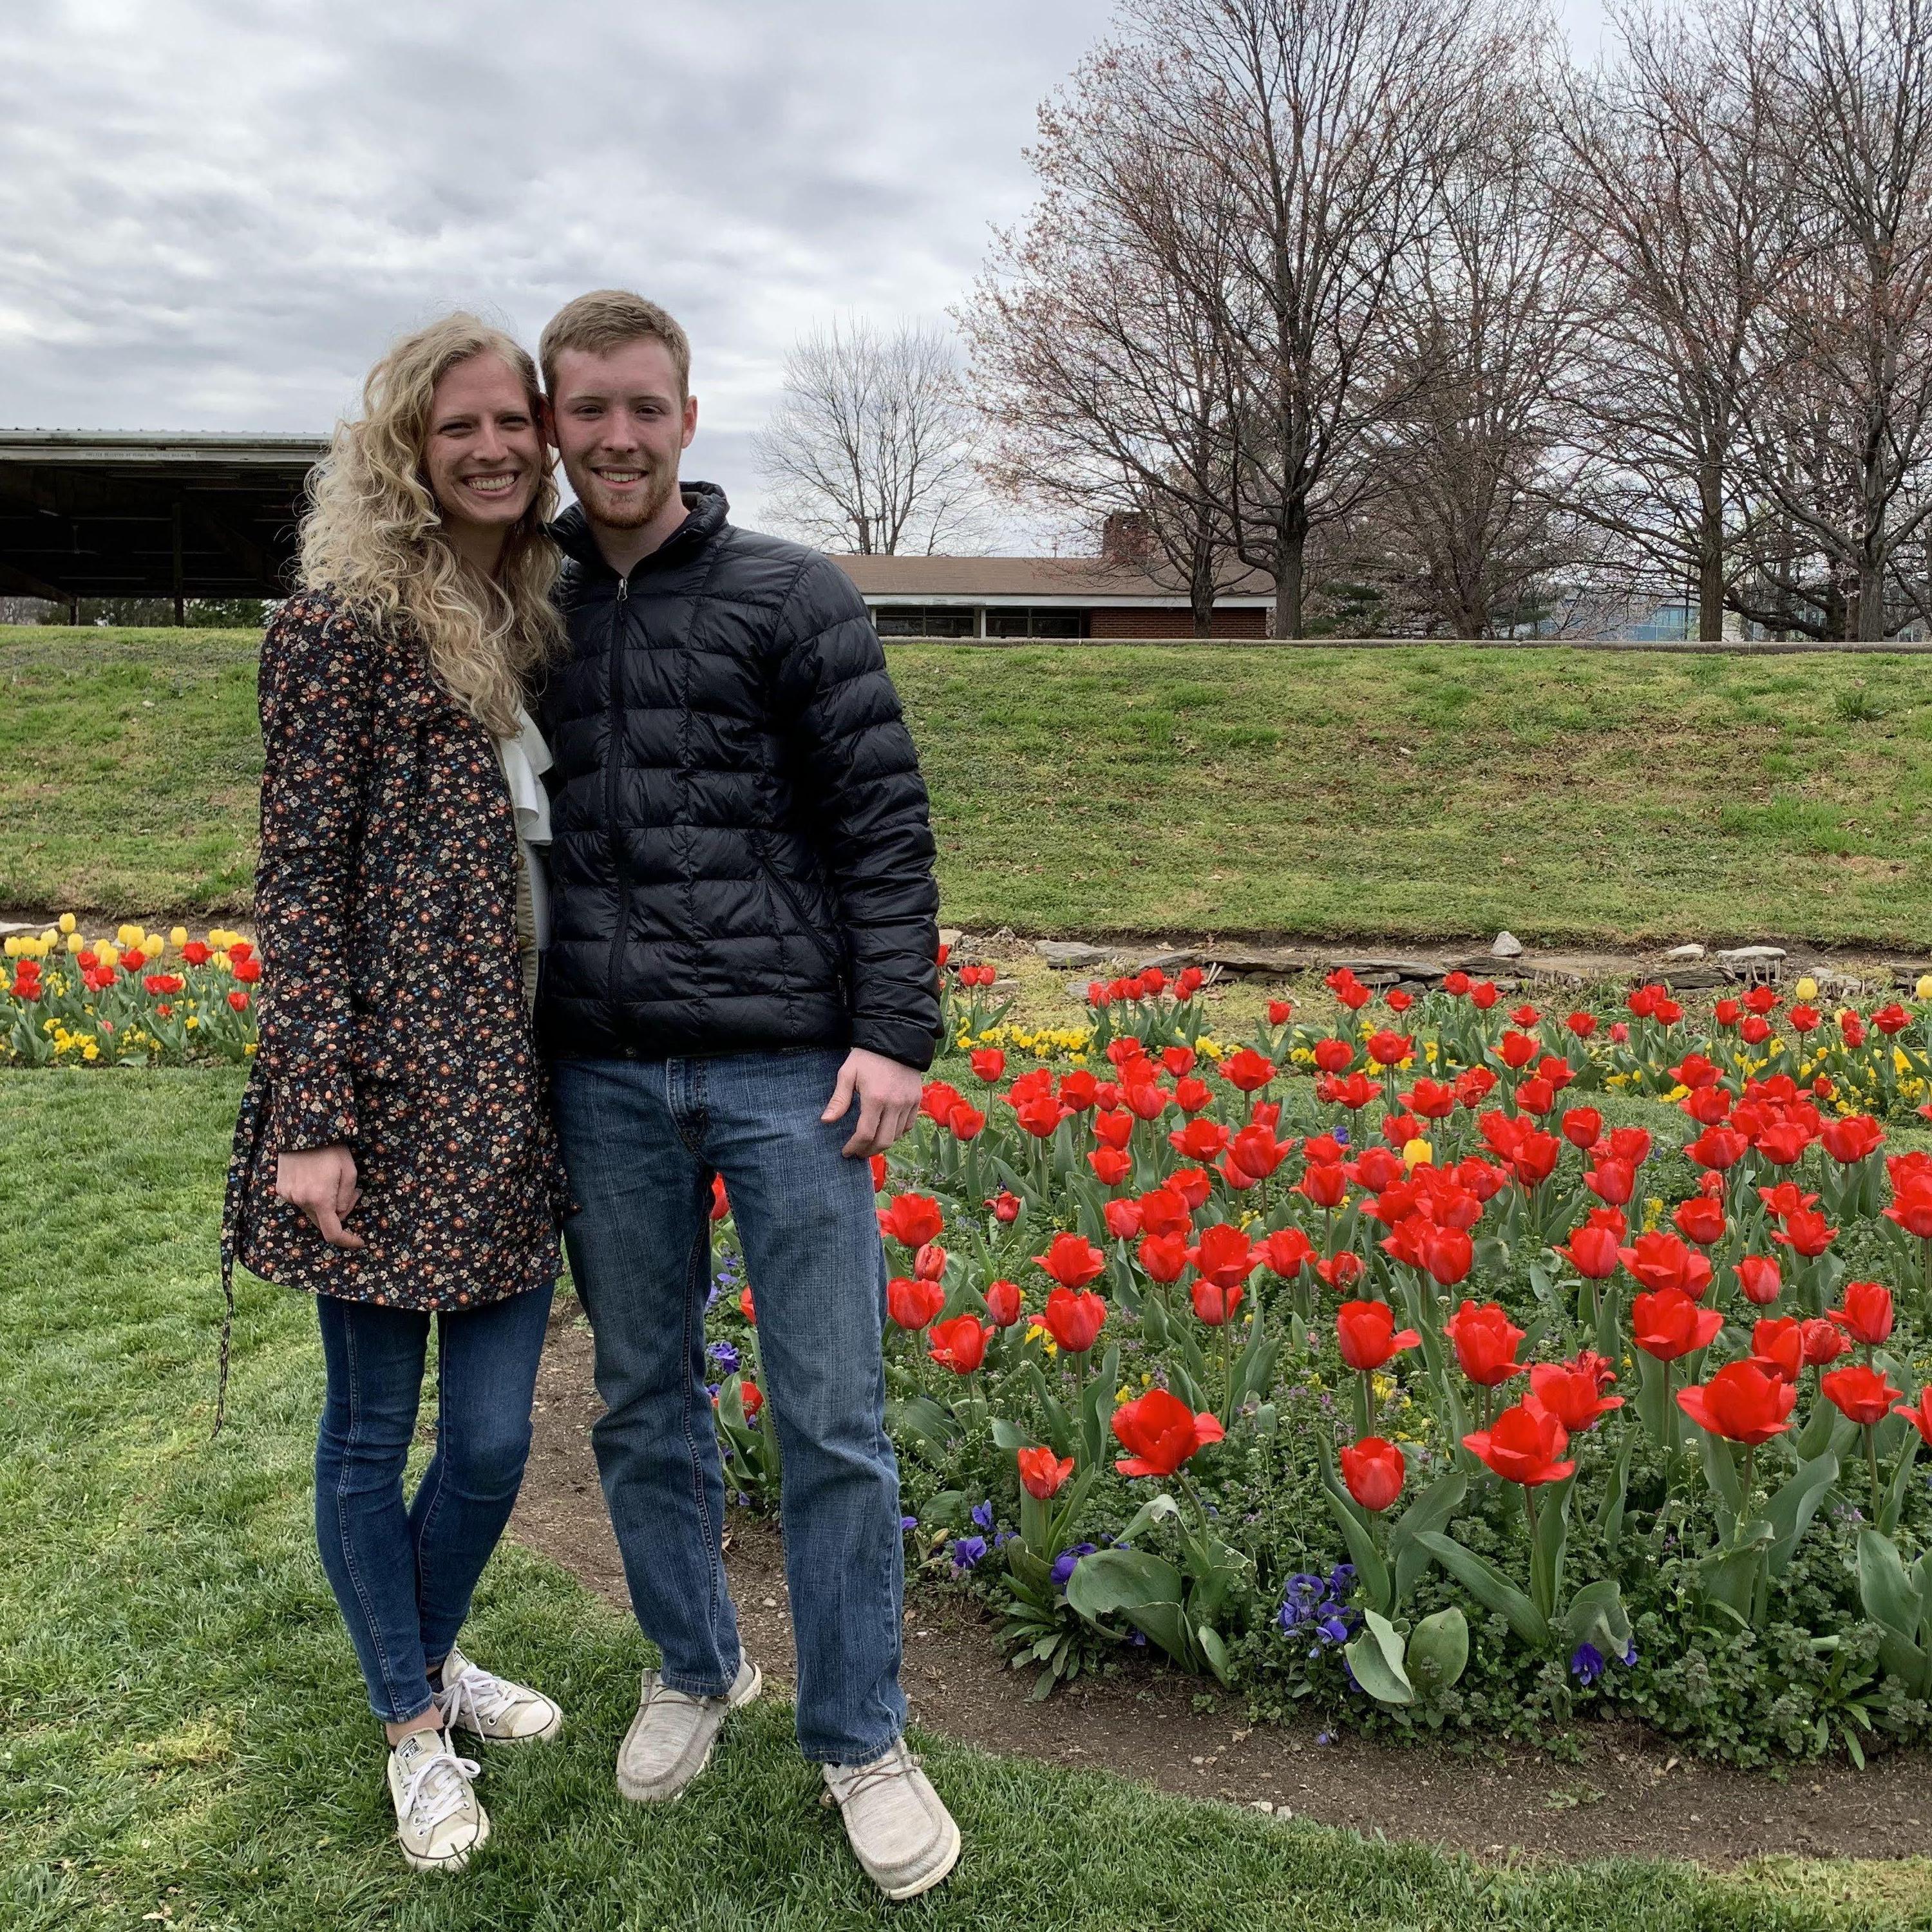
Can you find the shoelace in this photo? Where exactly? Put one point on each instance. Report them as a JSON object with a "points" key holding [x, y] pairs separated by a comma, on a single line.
{"points": [[657, 1691], [896, 1763], [483, 1695], [435, 1786]]}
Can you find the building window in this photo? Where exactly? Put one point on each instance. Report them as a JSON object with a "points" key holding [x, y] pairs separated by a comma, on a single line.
{"points": [[1036, 623], [900, 620]]}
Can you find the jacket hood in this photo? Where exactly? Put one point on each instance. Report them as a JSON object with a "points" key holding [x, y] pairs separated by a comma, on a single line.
{"points": [[708, 507]]}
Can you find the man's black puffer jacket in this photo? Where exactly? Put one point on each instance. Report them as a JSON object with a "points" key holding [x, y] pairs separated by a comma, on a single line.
{"points": [[741, 857]]}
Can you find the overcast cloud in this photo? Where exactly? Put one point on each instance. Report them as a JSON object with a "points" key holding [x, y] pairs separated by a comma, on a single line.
{"points": [[213, 213]]}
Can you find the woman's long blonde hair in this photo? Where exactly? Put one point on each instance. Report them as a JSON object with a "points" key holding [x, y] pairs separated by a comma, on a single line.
{"points": [[373, 531]]}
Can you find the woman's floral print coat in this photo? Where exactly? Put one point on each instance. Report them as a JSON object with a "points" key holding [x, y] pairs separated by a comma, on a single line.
{"points": [[392, 1011]]}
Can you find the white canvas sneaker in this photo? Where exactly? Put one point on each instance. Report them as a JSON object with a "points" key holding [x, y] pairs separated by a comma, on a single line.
{"points": [[903, 1835], [439, 1822], [670, 1740], [492, 1708]]}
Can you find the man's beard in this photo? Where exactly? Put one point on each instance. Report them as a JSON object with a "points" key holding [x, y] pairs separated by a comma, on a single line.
{"points": [[634, 513]]}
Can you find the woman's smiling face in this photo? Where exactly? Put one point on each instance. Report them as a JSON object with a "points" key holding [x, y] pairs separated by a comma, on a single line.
{"points": [[484, 456]]}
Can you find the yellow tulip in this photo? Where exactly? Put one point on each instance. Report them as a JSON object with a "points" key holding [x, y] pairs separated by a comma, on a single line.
{"points": [[1806, 989], [67, 922], [127, 935], [177, 937], [1415, 1152], [12, 948], [1923, 989], [107, 952], [76, 942]]}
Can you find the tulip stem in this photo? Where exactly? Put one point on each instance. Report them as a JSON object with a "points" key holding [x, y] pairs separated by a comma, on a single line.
{"points": [[1871, 1466], [1529, 1505]]}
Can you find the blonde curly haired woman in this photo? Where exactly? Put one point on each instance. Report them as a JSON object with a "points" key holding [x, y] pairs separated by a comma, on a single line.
{"points": [[394, 1155]]}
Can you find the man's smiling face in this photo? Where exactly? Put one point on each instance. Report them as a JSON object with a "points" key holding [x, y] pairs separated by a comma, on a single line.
{"points": [[621, 420]]}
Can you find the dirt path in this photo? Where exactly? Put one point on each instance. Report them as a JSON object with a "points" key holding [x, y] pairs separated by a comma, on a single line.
{"points": [[1629, 1795]]}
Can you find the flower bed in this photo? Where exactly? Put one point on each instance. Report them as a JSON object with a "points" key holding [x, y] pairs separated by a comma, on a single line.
{"points": [[1445, 1389], [147, 998]]}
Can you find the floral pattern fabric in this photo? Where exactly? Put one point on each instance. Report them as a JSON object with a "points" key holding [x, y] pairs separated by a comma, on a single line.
{"points": [[393, 1016]]}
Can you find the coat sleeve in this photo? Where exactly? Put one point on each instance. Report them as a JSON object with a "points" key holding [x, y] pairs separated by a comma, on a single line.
{"points": [[859, 783], [317, 698]]}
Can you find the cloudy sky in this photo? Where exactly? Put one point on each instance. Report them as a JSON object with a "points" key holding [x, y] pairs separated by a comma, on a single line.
{"points": [[214, 212]]}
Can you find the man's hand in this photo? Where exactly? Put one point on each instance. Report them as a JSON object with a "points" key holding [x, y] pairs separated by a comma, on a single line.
{"points": [[888, 1095], [322, 1183]]}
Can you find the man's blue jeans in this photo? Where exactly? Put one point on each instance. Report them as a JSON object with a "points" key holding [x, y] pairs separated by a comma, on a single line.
{"points": [[403, 1576], [642, 1139]]}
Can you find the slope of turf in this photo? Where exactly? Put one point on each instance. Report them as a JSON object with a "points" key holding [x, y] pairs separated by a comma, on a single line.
{"points": [[1412, 793], [184, 1743]]}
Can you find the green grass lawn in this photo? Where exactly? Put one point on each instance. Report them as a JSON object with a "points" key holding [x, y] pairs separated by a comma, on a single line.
{"points": [[185, 1743], [1410, 792]]}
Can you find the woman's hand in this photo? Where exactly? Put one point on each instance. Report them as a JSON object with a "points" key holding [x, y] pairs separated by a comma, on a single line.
{"points": [[322, 1182]]}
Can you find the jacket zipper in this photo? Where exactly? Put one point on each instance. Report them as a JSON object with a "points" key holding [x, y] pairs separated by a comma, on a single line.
{"points": [[611, 764], [792, 899]]}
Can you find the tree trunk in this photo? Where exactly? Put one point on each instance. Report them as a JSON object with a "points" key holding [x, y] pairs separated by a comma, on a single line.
{"points": [[1290, 546], [1710, 557], [1201, 589], [1871, 599]]}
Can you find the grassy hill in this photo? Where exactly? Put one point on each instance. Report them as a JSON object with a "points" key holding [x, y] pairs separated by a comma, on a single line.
{"points": [[1411, 793]]}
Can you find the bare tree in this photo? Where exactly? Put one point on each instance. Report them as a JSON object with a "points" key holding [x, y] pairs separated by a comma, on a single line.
{"points": [[871, 448], [1686, 213], [1099, 372], [1485, 320], [1842, 429]]}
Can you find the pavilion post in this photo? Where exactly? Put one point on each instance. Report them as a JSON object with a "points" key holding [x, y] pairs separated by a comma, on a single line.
{"points": [[180, 600]]}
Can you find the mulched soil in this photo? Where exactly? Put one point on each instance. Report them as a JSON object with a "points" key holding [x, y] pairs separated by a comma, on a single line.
{"points": [[1629, 1793]]}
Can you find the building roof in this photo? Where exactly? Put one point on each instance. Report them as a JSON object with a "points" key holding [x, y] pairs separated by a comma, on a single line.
{"points": [[1085, 582], [88, 514]]}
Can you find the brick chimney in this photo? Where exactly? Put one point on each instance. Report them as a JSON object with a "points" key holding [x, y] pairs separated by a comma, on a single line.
{"points": [[1125, 539]]}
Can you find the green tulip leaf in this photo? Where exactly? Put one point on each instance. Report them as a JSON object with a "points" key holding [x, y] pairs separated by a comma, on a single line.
{"points": [[1375, 1661], [1438, 1652], [1490, 1588]]}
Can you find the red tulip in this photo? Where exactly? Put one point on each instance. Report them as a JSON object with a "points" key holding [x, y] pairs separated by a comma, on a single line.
{"points": [[1741, 1403], [1073, 1318], [1804, 1232], [1006, 1207], [746, 1307], [1342, 1272], [1863, 1394], [1043, 1474], [1522, 1444], [912, 1302], [753, 1399], [1160, 1432], [1163, 1212], [1374, 1471], [1448, 1254], [1718, 1148], [1193, 1185], [1333, 1056], [1224, 1256], [1591, 1252], [965, 1122], [1073, 1261], [959, 1345], [1866, 1316], [1852, 1138], [912, 1219], [929, 1264], [1390, 1049], [1614, 1181], [1661, 1261], [1111, 1166], [1759, 1278], [1286, 1253], [1912, 1207], [1257, 1152], [1214, 1304], [721, 1204], [1247, 1069], [1163, 1258], [1366, 1332], [937, 1100], [1573, 1391], [1919, 1413], [1667, 1324], [1002, 1302], [1700, 1219], [1778, 1346], [1583, 1127], [1114, 1126], [1191, 1095], [1486, 1341], [1123, 1219], [988, 1063]]}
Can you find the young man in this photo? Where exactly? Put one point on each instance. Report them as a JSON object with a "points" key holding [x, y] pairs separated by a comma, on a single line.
{"points": [[741, 982]]}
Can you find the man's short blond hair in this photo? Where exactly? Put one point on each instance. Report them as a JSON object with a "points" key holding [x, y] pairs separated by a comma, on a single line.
{"points": [[607, 319]]}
